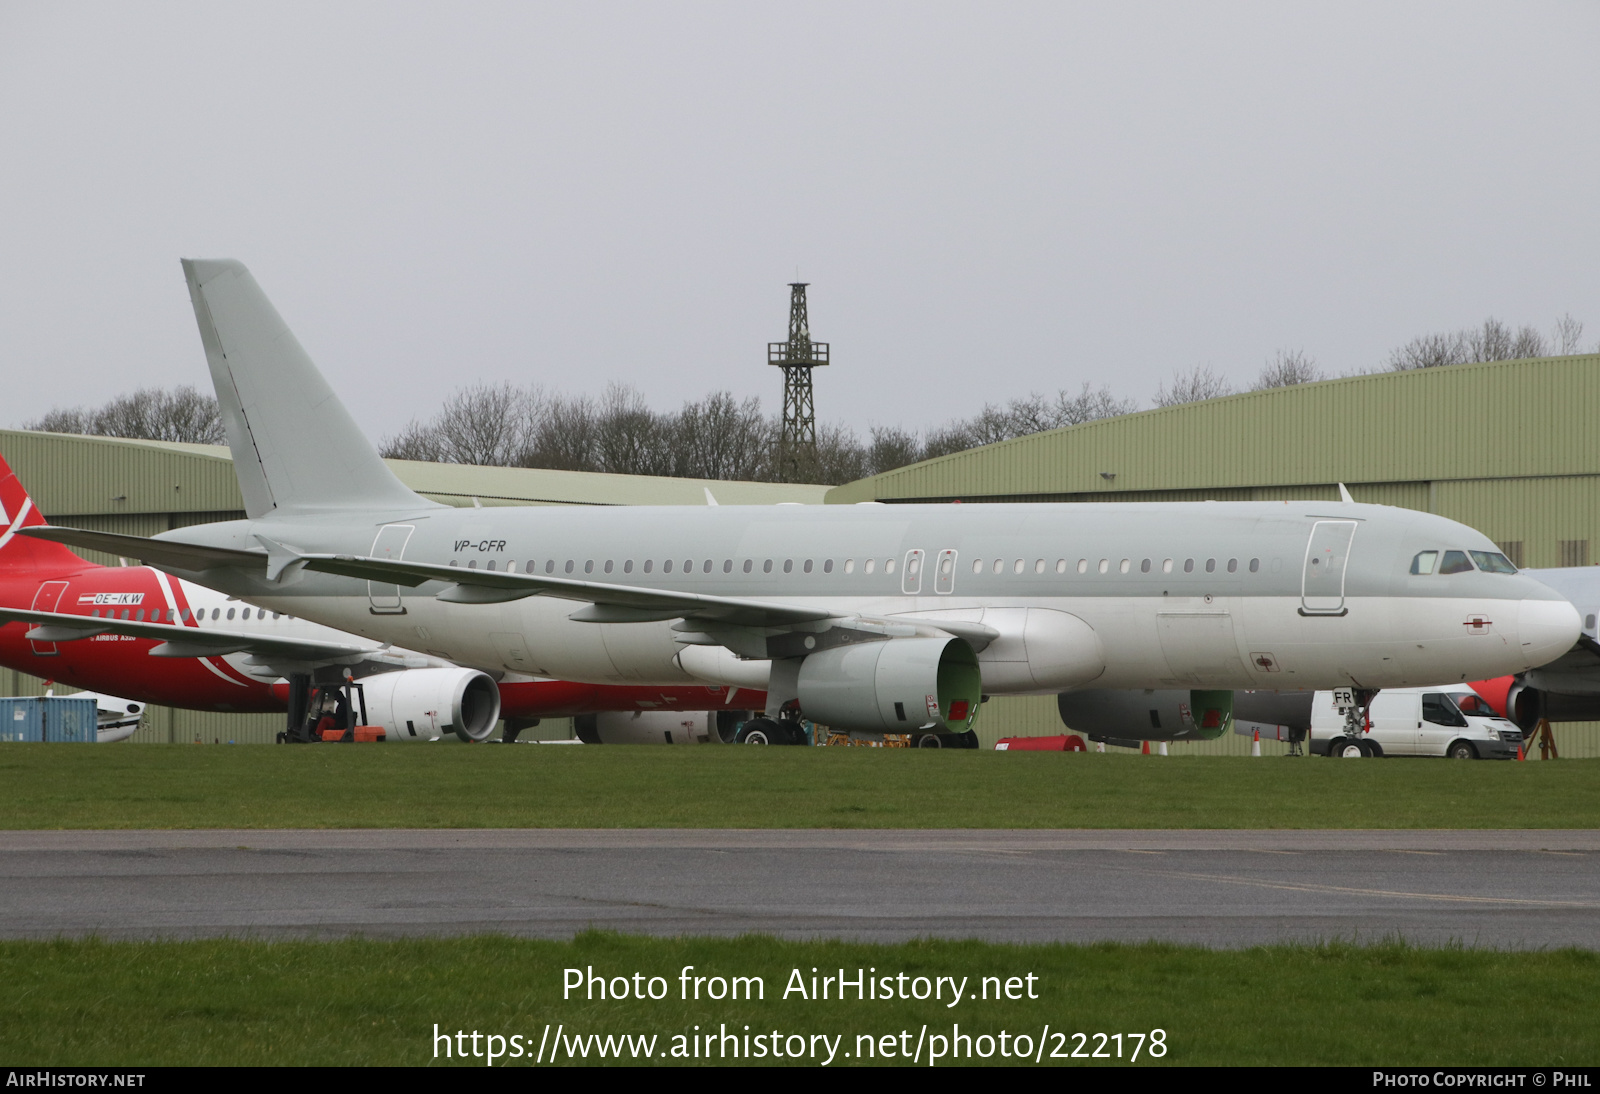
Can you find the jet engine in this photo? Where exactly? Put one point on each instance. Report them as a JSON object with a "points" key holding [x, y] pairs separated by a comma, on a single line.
{"points": [[659, 727], [1129, 717], [1525, 705], [897, 686], [425, 704]]}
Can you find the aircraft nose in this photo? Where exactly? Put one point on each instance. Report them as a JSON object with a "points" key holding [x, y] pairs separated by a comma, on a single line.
{"points": [[1547, 629]]}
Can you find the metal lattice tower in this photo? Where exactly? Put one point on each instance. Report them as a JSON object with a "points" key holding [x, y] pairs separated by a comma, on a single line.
{"points": [[797, 444]]}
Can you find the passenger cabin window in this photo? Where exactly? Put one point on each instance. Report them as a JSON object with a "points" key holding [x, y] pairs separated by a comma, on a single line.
{"points": [[1166, 565], [1061, 565], [872, 564], [766, 567], [1455, 562], [977, 565], [849, 566], [666, 567], [888, 565], [607, 566], [806, 566], [627, 566], [1255, 564], [1083, 565], [649, 564], [1493, 562], [827, 566], [568, 566], [1105, 564], [1211, 565], [1038, 566], [1438, 709], [1125, 565], [550, 566], [588, 566], [1233, 565], [749, 564], [1144, 567], [788, 565], [1188, 565], [727, 565]]}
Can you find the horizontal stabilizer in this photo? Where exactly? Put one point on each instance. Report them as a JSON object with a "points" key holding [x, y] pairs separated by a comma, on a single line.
{"points": [[164, 553]]}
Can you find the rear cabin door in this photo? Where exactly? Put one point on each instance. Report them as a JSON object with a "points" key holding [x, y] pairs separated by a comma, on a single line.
{"points": [[1327, 560], [46, 600], [384, 598]]}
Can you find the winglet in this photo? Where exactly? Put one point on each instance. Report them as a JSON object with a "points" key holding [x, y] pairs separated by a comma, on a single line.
{"points": [[1344, 495]]}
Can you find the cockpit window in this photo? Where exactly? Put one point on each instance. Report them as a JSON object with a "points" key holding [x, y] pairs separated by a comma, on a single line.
{"points": [[1425, 562], [1493, 562], [1455, 562]]}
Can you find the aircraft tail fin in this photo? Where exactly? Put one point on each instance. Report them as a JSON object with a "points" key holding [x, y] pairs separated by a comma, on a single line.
{"points": [[296, 450], [24, 553]]}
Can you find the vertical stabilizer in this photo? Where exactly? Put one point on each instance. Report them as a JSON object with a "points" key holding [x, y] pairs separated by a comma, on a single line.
{"points": [[24, 553], [296, 449]]}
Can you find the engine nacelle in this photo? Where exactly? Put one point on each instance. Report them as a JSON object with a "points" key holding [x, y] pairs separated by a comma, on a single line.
{"points": [[898, 686], [658, 727], [1170, 714], [425, 704], [1526, 705]]}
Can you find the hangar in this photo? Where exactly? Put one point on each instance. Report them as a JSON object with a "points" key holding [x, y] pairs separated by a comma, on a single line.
{"points": [[1507, 447], [1504, 446]]}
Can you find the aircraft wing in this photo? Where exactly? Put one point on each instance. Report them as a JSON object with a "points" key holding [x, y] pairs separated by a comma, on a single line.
{"points": [[178, 640], [155, 552], [608, 603]]}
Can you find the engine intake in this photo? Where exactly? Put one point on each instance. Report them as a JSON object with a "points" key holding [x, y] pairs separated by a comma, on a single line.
{"points": [[425, 704], [898, 686]]}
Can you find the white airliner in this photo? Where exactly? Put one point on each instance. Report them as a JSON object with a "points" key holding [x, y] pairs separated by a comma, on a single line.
{"points": [[868, 617]]}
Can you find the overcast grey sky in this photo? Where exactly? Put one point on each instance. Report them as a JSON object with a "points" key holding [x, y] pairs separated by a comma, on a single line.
{"points": [[987, 198]]}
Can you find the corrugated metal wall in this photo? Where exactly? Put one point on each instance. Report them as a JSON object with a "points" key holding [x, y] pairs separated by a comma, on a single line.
{"points": [[1505, 419]]}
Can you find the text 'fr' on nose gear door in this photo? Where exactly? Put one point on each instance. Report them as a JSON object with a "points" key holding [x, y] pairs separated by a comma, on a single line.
{"points": [[390, 545], [1327, 561]]}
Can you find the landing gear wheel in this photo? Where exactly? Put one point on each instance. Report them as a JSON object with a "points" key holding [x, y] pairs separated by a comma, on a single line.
{"points": [[1462, 750], [759, 731], [1369, 749], [793, 733], [930, 740], [282, 738], [1347, 750], [969, 739]]}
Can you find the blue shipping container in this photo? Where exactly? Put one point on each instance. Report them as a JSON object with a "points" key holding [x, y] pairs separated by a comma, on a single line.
{"points": [[74, 721]]}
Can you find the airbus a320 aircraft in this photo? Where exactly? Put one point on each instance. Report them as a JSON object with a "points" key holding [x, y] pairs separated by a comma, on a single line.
{"points": [[135, 632], [865, 617]]}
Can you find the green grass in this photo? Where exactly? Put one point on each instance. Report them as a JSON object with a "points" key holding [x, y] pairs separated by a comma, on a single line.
{"points": [[453, 786], [376, 1002]]}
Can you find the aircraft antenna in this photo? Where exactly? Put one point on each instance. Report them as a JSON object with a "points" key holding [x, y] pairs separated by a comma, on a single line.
{"points": [[797, 443]]}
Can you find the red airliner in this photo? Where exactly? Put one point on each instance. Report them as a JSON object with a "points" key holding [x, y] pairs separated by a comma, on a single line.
{"points": [[215, 653]]}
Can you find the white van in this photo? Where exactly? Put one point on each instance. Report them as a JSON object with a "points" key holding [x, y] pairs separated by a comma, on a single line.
{"points": [[1450, 720]]}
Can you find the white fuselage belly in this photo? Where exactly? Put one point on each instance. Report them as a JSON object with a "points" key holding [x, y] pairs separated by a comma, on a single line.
{"points": [[1271, 645]]}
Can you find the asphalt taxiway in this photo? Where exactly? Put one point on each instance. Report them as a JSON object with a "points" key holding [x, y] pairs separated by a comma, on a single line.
{"points": [[1500, 889]]}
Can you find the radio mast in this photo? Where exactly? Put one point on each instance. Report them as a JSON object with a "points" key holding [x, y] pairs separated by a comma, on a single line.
{"points": [[797, 443]]}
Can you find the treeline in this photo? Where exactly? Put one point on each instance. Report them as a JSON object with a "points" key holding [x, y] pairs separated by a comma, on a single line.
{"points": [[722, 437], [151, 414], [718, 437]]}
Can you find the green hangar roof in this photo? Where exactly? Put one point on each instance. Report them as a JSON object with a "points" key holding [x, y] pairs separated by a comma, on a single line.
{"points": [[1510, 447], [107, 476]]}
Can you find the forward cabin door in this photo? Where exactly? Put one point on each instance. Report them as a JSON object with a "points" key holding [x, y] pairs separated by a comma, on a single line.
{"points": [[1327, 561], [45, 600], [390, 545]]}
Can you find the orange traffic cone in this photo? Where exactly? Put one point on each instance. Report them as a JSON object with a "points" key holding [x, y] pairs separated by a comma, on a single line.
{"points": [[1520, 756], [1146, 748]]}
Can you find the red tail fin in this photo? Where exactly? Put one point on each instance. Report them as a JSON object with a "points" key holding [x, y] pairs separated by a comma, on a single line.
{"points": [[23, 553]]}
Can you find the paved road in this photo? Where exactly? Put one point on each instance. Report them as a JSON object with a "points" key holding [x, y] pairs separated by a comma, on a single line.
{"points": [[1501, 889]]}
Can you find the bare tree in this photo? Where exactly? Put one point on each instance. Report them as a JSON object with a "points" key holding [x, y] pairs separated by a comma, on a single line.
{"points": [[153, 414], [719, 438], [1196, 385], [1286, 368], [1567, 338], [891, 447], [1088, 406]]}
